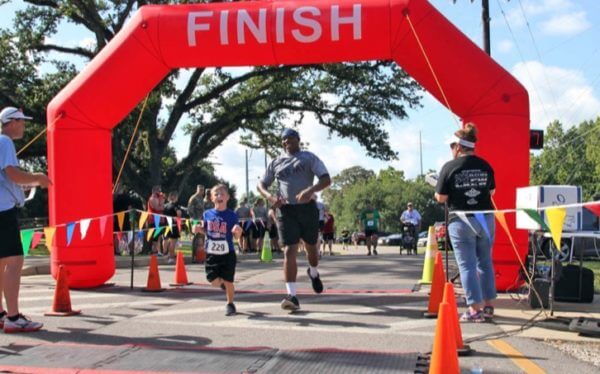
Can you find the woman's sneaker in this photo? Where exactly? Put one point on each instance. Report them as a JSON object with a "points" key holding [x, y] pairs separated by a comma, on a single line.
{"points": [[22, 324], [472, 317], [290, 303], [488, 312]]}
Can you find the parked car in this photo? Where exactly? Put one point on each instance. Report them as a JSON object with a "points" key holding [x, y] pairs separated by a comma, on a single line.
{"points": [[394, 239], [422, 241]]}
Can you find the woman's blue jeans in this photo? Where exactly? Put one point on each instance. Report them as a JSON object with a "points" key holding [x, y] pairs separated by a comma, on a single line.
{"points": [[473, 253]]}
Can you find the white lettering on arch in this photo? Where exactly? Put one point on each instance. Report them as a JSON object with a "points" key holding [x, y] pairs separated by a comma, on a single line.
{"points": [[354, 20], [259, 31], [310, 23], [193, 26]]}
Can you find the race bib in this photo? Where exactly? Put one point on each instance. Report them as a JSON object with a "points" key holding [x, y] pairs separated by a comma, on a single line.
{"points": [[370, 223], [217, 247]]}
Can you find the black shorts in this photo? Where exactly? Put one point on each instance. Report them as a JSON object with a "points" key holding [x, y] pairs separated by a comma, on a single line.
{"points": [[327, 236], [259, 229], [273, 233], [10, 234], [220, 266], [174, 233], [369, 233], [299, 221]]}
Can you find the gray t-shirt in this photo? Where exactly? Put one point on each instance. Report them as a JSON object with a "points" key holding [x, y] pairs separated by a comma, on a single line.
{"points": [[294, 173], [11, 193], [243, 213], [260, 212]]}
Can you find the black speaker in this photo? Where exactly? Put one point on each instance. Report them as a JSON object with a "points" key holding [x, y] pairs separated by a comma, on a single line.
{"points": [[574, 285], [542, 286]]}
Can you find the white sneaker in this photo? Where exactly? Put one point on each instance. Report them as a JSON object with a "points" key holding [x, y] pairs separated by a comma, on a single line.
{"points": [[22, 324]]}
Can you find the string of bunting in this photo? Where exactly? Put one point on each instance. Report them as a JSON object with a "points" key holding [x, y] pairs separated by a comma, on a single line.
{"points": [[30, 238]]}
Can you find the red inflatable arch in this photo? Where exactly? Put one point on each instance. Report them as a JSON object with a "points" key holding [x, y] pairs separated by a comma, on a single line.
{"points": [[160, 38]]}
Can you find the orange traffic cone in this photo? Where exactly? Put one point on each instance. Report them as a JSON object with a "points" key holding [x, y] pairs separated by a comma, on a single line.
{"points": [[61, 305], [180, 274], [461, 348], [153, 284], [443, 356], [437, 287]]}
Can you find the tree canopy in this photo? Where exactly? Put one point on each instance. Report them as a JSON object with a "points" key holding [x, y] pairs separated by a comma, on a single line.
{"points": [[353, 100]]}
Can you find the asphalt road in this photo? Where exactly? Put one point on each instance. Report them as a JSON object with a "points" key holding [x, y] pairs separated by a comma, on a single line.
{"points": [[368, 320]]}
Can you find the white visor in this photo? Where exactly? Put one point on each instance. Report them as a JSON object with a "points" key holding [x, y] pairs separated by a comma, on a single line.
{"points": [[465, 143]]}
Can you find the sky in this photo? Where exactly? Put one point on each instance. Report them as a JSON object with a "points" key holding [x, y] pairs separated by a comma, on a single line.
{"points": [[550, 46]]}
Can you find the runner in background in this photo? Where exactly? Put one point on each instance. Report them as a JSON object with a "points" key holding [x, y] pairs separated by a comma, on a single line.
{"points": [[369, 221]]}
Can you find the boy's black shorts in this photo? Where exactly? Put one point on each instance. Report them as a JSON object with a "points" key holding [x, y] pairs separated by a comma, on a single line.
{"points": [[10, 234], [299, 221], [220, 266]]}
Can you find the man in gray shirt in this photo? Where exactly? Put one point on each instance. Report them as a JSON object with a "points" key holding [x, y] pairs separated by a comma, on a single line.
{"points": [[297, 216]]}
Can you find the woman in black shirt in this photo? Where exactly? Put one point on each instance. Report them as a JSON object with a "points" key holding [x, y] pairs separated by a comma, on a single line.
{"points": [[467, 184]]}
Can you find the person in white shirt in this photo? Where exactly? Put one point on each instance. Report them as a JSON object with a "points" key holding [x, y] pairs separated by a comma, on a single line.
{"points": [[410, 215]]}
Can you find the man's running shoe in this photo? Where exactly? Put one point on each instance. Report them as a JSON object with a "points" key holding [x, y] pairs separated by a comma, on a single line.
{"points": [[317, 285], [290, 303], [375, 252], [230, 309], [22, 324]]}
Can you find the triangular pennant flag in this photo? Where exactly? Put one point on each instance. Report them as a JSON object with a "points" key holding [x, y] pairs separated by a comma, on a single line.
{"points": [[156, 221], [463, 217], [26, 237], [103, 221], [195, 222], [187, 223], [157, 231], [556, 219], [120, 220], [179, 223], [502, 220], [169, 221], [167, 230], [84, 224], [70, 229], [149, 236], [140, 234], [37, 236], [49, 235], [143, 218], [593, 207], [537, 218], [129, 236], [480, 217], [119, 235]]}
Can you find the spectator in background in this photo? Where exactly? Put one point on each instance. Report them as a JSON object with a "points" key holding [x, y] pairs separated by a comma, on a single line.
{"points": [[328, 231], [272, 228], [172, 210], [259, 217], [369, 221], [345, 238], [411, 216], [195, 210], [245, 217], [156, 205], [122, 202]]}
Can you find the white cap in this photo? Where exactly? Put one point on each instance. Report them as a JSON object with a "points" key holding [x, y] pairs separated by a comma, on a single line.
{"points": [[10, 112]]}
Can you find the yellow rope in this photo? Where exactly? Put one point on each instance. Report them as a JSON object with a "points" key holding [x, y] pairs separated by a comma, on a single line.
{"points": [[40, 134], [431, 68], [130, 143]]}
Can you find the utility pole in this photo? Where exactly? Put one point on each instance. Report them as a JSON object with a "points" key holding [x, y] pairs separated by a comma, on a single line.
{"points": [[247, 182], [421, 152], [485, 20]]}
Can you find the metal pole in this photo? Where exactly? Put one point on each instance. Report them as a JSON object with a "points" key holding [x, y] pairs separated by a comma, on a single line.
{"points": [[247, 182], [421, 152], [485, 19]]}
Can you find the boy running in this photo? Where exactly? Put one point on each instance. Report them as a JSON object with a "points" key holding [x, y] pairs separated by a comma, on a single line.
{"points": [[220, 225]]}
